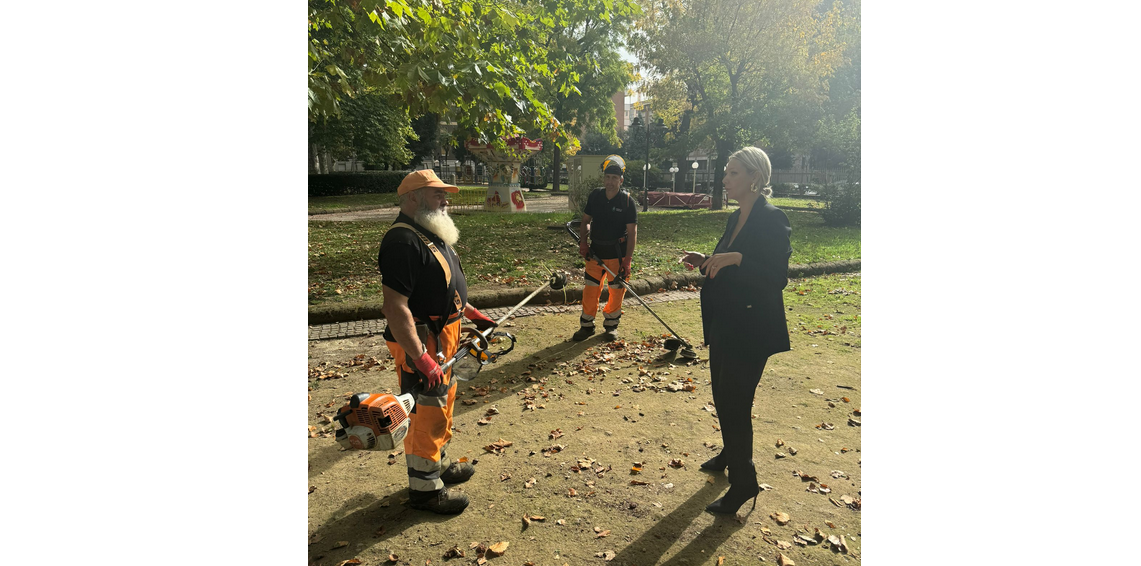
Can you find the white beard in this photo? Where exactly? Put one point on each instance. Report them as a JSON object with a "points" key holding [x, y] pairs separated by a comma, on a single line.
{"points": [[440, 224]]}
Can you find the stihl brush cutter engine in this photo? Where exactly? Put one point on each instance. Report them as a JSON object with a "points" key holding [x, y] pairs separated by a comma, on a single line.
{"points": [[375, 421]]}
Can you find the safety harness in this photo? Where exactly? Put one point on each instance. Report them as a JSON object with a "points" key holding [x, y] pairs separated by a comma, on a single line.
{"points": [[454, 304]]}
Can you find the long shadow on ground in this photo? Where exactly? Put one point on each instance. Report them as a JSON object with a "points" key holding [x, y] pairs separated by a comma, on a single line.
{"points": [[367, 513], [651, 546]]}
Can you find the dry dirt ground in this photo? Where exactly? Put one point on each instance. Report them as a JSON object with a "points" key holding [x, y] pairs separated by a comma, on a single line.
{"points": [[580, 417]]}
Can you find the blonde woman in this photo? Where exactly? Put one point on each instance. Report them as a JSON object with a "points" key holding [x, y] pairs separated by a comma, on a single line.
{"points": [[742, 311]]}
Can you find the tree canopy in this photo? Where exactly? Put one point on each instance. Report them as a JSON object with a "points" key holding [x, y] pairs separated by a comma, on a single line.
{"points": [[742, 71]]}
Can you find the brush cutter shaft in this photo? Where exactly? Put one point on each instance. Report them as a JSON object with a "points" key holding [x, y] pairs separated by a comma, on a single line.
{"points": [[627, 286], [558, 279]]}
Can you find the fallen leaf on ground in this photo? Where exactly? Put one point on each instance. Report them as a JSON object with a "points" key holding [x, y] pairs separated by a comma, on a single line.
{"points": [[783, 560], [529, 483], [765, 487], [638, 482], [498, 447], [780, 518], [498, 548], [677, 463], [608, 555], [340, 544], [780, 443], [526, 522], [805, 477], [784, 545], [720, 560], [816, 391], [454, 552], [349, 562], [605, 533], [561, 522]]}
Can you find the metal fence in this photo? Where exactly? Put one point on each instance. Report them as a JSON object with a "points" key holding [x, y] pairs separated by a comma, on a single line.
{"points": [[476, 173]]}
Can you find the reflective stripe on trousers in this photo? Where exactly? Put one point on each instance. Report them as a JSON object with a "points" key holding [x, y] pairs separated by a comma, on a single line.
{"points": [[430, 426]]}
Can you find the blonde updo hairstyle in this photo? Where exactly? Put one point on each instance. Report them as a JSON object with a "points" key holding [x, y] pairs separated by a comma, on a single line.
{"points": [[755, 160]]}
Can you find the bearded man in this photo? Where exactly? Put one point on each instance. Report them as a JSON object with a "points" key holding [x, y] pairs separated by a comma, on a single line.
{"points": [[425, 296]]}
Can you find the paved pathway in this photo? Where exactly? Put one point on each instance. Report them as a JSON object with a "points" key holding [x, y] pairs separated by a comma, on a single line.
{"points": [[375, 327]]}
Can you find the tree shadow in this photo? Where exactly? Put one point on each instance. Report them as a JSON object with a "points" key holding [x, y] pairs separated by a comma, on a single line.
{"points": [[651, 546]]}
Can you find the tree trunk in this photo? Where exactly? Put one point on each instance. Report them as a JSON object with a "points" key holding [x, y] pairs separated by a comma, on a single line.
{"points": [[314, 165], [724, 147], [556, 168]]}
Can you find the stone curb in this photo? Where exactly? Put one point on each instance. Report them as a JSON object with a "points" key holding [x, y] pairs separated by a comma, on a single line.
{"points": [[510, 297]]}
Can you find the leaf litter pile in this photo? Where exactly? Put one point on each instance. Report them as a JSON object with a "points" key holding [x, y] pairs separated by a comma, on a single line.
{"points": [[578, 457]]}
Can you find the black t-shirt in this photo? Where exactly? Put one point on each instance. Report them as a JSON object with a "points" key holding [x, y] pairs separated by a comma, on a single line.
{"points": [[408, 267], [608, 222]]}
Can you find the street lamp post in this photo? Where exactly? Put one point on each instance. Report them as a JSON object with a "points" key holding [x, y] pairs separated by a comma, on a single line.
{"points": [[694, 167], [673, 173]]}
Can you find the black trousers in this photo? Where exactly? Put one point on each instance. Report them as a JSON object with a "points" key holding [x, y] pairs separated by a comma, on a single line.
{"points": [[735, 373]]}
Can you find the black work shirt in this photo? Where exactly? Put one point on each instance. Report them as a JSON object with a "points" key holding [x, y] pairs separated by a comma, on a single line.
{"points": [[609, 218], [408, 267]]}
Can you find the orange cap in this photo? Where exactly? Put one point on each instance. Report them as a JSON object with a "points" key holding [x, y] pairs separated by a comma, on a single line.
{"points": [[423, 178]]}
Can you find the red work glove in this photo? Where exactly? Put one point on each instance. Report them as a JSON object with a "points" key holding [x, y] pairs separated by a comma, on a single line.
{"points": [[624, 268], [480, 320], [584, 248], [429, 368]]}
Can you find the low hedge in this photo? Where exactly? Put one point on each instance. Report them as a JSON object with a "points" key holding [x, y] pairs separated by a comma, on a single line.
{"points": [[368, 182]]}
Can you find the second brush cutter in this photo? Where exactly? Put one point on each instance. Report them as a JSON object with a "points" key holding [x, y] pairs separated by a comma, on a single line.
{"points": [[672, 344]]}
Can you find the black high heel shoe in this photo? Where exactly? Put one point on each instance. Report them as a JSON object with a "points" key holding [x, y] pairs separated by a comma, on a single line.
{"points": [[715, 464], [734, 499]]}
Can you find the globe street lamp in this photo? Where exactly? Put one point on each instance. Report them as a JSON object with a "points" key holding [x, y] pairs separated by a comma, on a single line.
{"points": [[673, 173], [694, 167]]}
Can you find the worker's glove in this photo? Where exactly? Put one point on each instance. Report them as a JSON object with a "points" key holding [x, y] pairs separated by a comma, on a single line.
{"points": [[480, 320], [584, 248], [624, 268], [430, 369]]}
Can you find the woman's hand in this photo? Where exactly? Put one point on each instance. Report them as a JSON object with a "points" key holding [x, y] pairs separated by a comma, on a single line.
{"points": [[692, 259], [715, 262]]}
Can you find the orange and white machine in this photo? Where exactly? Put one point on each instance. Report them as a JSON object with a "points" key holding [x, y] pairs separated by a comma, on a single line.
{"points": [[377, 421]]}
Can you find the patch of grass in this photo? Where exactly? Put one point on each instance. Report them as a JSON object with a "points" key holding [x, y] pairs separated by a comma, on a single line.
{"points": [[784, 202], [345, 203], [520, 250], [468, 195]]}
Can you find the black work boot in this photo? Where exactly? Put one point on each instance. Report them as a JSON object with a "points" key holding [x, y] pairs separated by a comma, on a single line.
{"points": [[443, 502], [583, 333], [611, 334], [458, 472]]}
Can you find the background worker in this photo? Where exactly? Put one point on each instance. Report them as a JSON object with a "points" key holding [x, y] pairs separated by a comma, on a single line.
{"points": [[610, 225], [425, 294]]}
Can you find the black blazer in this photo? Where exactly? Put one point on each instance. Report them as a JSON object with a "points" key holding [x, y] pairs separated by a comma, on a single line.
{"points": [[743, 307]]}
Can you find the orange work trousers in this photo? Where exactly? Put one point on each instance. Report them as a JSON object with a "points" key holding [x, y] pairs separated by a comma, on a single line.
{"points": [[595, 278], [430, 428]]}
